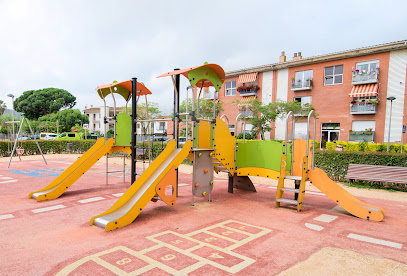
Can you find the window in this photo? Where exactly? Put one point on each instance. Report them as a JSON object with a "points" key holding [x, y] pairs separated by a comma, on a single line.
{"points": [[330, 132], [367, 66], [306, 100], [230, 88], [94, 126], [162, 126], [303, 79], [94, 116], [333, 75], [71, 135], [363, 125]]}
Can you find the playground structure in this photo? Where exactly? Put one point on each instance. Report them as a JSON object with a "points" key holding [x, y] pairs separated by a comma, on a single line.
{"points": [[211, 148], [17, 147]]}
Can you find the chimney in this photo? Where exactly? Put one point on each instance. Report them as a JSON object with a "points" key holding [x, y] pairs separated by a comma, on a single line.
{"points": [[91, 105], [86, 107], [283, 58], [297, 56]]}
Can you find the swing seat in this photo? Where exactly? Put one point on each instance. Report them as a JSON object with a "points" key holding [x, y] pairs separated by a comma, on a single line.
{"points": [[20, 151]]}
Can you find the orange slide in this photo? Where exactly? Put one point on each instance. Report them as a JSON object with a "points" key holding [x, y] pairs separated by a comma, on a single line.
{"points": [[344, 199]]}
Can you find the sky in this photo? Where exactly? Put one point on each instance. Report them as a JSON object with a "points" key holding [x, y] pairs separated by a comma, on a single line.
{"points": [[79, 45]]}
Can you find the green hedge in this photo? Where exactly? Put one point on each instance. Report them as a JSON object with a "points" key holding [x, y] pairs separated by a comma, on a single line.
{"points": [[336, 163], [366, 147], [47, 146]]}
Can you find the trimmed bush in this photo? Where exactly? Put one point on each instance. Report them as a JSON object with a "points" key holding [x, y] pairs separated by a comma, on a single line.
{"points": [[48, 146], [336, 163], [366, 147]]}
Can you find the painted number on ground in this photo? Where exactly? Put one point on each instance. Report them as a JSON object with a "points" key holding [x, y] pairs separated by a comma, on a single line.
{"points": [[123, 261], [168, 257]]}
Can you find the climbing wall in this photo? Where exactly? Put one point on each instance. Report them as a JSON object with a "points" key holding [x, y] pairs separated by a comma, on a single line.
{"points": [[202, 180]]}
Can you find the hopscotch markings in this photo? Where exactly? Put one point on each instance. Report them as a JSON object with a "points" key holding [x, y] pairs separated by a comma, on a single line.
{"points": [[177, 253], [375, 241], [314, 226], [8, 216], [326, 218], [5, 178], [118, 194], [50, 208], [92, 199]]}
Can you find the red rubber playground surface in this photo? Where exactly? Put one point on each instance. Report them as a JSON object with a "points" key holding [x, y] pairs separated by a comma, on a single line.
{"points": [[240, 233]]}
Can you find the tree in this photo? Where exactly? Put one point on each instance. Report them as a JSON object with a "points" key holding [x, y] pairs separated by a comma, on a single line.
{"points": [[37, 103], [205, 107], [67, 119], [142, 114], [2, 107], [4, 129], [263, 115]]}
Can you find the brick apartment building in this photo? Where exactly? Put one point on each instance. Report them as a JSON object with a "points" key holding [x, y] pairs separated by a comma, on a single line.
{"points": [[348, 90]]}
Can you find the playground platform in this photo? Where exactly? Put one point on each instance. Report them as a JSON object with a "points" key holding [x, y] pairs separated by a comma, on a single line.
{"points": [[235, 234]]}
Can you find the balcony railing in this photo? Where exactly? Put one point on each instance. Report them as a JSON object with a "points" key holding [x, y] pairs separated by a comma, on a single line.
{"points": [[363, 108], [360, 136], [365, 78], [299, 85], [250, 92]]}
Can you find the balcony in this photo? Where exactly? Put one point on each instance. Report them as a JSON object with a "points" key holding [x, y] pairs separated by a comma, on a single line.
{"points": [[299, 85], [365, 78], [250, 92], [363, 108], [360, 136]]}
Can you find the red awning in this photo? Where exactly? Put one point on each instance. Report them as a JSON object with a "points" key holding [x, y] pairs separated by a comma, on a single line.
{"points": [[247, 78], [364, 90]]}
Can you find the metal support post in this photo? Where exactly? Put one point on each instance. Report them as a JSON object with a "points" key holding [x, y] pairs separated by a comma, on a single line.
{"points": [[133, 129]]}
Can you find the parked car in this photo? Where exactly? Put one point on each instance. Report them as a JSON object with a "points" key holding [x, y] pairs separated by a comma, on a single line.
{"points": [[44, 134], [51, 136], [70, 136], [23, 137], [37, 136], [182, 140]]}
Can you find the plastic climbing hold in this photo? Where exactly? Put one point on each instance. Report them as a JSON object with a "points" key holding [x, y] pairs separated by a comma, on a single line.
{"points": [[206, 171], [197, 185], [204, 193], [211, 182], [199, 154]]}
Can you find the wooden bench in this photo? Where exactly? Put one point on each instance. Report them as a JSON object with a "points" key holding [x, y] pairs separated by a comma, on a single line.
{"points": [[389, 174]]}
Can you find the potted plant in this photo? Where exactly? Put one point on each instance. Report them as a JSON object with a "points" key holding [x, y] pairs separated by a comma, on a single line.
{"points": [[352, 131], [368, 131], [359, 132], [353, 102]]}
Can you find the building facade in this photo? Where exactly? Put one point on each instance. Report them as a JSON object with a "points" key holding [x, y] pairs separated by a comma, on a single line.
{"points": [[348, 90]]}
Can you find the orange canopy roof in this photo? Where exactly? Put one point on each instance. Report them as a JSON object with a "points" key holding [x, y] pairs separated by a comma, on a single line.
{"points": [[206, 83], [123, 88]]}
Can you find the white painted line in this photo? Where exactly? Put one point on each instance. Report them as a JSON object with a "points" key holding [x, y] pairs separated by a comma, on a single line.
{"points": [[6, 178], [180, 185], [8, 181], [118, 195], [271, 187], [375, 241], [6, 216], [326, 218], [314, 226], [92, 199], [50, 208]]}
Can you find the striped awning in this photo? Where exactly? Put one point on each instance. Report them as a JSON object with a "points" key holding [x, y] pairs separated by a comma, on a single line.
{"points": [[364, 90], [246, 100], [247, 78]]}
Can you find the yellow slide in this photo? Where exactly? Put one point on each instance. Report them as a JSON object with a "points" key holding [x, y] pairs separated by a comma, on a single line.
{"points": [[344, 199], [129, 206], [60, 184]]}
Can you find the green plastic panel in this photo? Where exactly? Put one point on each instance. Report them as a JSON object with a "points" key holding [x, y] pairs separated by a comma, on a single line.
{"points": [[205, 73], [117, 90], [123, 129], [261, 154]]}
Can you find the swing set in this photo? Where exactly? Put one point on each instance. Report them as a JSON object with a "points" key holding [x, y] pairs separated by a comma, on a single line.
{"points": [[18, 145]]}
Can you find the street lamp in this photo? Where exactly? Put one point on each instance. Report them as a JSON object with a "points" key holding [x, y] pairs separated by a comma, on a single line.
{"points": [[12, 111], [391, 99]]}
